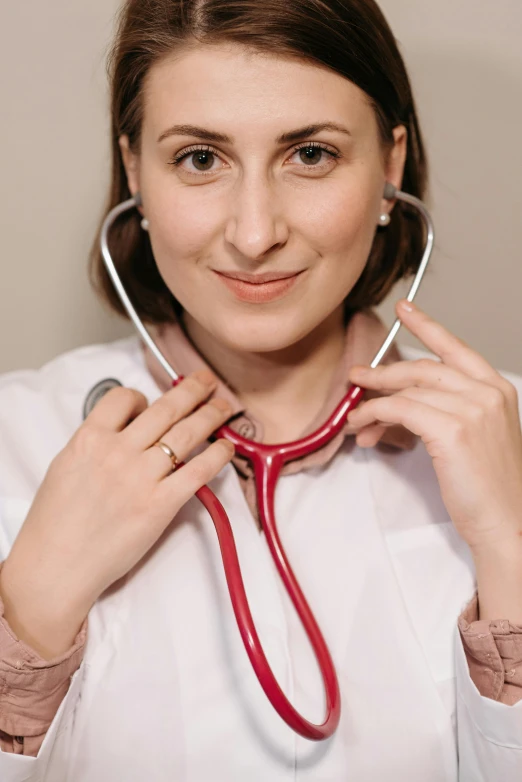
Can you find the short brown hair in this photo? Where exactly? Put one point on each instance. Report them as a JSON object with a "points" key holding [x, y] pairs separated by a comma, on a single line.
{"points": [[351, 37]]}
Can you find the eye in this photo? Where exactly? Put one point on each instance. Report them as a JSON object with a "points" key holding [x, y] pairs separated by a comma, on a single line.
{"points": [[203, 157], [314, 152]]}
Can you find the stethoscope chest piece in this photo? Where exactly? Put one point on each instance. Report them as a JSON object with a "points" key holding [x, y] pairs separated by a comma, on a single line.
{"points": [[96, 393]]}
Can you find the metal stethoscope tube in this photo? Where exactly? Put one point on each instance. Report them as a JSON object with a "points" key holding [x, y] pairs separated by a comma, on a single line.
{"points": [[267, 462]]}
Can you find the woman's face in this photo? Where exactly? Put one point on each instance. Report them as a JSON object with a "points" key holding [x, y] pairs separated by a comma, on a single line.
{"points": [[238, 190]]}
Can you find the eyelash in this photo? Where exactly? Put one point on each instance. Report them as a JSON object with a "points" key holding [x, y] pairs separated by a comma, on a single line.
{"points": [[178, 159]]}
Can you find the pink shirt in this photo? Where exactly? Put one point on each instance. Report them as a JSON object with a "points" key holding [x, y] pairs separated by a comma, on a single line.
{"points": [[32, 688]]}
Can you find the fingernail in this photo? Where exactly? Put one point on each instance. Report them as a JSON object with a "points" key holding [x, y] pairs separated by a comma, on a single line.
{"points": [[206, 376], [359, 370], [404, 304], [230, 446], [221, 405]]}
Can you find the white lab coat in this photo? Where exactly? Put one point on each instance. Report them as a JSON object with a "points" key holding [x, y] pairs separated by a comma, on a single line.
{"points": [[166, 692]]}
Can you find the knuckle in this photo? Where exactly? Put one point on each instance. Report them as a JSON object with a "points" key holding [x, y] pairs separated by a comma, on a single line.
{"points": [[85, 441], [171, 408], [195, 385], [476, 413], [125, 396], [494, 399], [179, 404], [425, 368], [510, 392], [167, 404], [217, 409], [184, 438]]}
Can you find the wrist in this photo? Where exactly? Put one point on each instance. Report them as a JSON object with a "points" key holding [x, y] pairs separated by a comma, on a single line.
{"points": [[38, 612], [499, 582]]}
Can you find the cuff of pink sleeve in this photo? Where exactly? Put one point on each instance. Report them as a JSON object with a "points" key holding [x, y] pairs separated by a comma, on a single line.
{"points": [[493, 650], [31, 687]]}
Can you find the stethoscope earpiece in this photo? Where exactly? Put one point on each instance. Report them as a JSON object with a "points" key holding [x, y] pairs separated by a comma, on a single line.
{"points": [[390, 191]]}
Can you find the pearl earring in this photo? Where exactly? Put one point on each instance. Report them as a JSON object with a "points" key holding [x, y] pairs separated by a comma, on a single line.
{"points": [[145, 224], [384, 219]]}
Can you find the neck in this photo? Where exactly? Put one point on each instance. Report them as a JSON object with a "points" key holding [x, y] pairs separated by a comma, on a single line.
{"points": [[283, 389]]}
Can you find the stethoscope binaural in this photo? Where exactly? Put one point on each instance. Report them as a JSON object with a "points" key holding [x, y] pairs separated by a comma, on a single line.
{"points": [[267, 462]]}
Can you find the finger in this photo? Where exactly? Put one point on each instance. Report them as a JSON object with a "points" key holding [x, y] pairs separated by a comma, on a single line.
{"points": [[475, 407], [387, 434], [398, 437], [454, 404], [179, 487], [453, 351], [369, 436], [424, 373], [421, 419], [174, 405], [117, 408], [186, 435]]}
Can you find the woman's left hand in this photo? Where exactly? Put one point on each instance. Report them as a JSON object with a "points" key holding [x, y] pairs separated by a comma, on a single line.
{"points": [[467, 415]]}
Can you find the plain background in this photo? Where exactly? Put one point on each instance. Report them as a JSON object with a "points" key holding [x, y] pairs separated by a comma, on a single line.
{"points": [[465, 61]]}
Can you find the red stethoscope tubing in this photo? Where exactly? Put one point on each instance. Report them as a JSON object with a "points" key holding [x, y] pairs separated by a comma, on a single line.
{"points": [[267, 462]]}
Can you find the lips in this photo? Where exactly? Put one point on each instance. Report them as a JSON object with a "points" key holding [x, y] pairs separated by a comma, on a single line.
{"points": [[259, 288], [259, 279]]}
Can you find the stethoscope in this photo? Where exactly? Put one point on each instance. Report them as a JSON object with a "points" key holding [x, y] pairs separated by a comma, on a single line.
{"points": [[267, 462]]}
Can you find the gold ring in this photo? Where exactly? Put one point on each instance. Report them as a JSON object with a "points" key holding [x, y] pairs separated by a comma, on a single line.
{"points": [[170, 453]]}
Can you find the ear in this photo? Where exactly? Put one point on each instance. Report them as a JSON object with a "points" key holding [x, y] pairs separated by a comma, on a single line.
{"points": [[395, 162], [131, 164]]}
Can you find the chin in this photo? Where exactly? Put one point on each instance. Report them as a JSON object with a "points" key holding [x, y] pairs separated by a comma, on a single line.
{"points": [[262, 333]]}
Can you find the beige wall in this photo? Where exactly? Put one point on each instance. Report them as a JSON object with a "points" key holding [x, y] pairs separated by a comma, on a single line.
{"points": [[465, 60]]}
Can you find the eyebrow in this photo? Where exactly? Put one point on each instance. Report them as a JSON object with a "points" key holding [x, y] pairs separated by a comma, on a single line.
{"points": [[221, 138]]}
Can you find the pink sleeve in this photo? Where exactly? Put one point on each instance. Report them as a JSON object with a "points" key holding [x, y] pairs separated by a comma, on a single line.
{"points": [[494, 654], [31, 688]]}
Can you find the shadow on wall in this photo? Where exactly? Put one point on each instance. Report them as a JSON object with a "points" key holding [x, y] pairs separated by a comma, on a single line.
{"points": [[471, 113]]}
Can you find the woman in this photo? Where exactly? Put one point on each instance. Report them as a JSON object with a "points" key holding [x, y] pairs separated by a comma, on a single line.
{"points": [[261, 136]]}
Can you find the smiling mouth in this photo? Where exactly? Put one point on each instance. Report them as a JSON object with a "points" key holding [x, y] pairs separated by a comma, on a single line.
{"points": [[259, 279], [259, 288]]}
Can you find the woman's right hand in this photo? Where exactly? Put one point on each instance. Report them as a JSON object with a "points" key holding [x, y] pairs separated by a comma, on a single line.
{"points": [[105, 500]]}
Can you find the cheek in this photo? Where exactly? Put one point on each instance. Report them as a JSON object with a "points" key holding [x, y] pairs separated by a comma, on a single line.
{"points": [[341, 228], [346, 220], [184, 226]]}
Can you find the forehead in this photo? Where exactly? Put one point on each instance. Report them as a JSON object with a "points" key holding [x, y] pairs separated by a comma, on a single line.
{"points": [[236, 89]]}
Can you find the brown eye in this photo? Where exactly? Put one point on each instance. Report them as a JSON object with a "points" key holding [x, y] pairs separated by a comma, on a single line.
{"points": [[203, 160], [311, 155]]}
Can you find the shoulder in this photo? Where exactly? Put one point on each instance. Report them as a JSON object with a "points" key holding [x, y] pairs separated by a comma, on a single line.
{"points": [[40, 409], [73, 367]]}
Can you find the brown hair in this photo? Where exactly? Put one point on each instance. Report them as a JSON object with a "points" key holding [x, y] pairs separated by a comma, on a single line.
{"points": [[350, 37]]}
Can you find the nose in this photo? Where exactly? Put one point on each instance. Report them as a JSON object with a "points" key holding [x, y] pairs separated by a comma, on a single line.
{"points": [[256, 226]]}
